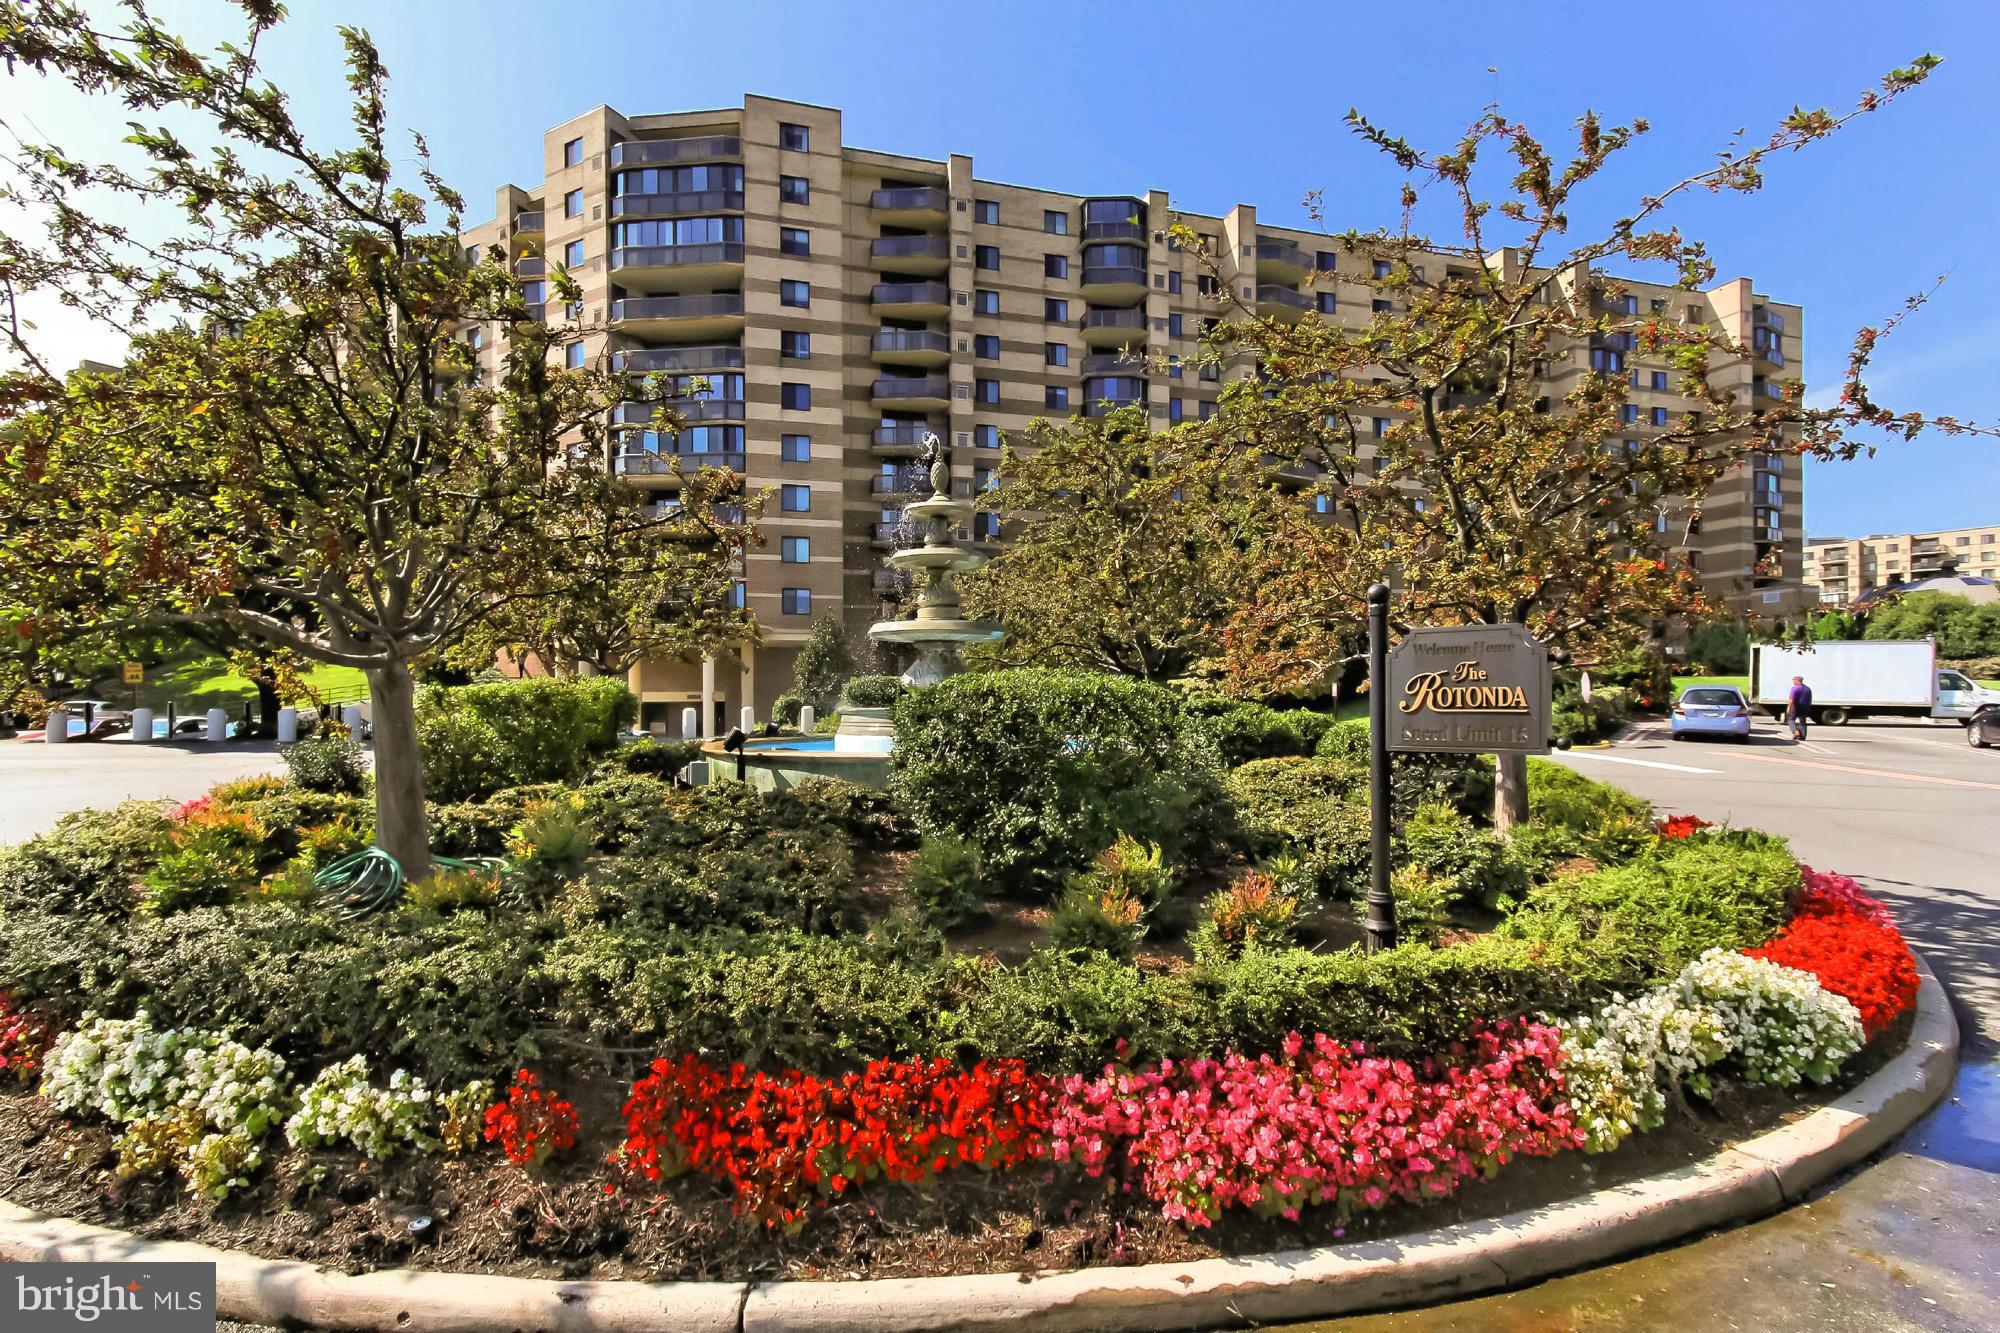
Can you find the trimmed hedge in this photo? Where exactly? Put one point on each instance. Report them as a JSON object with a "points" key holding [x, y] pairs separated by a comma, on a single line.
{"points": [[1247, 731], [1039, 770], [478, 739]]}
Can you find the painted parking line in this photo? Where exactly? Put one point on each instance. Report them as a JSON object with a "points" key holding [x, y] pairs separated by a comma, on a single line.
{"points": [[1642, 763], [1863, 772]]}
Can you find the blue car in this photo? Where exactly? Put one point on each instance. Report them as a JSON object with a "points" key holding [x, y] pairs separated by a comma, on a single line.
{"points": [[1711, 710]]}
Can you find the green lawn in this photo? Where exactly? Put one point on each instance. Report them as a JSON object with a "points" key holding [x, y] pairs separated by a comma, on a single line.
{"points": [[196, 682], [1740, 682]]}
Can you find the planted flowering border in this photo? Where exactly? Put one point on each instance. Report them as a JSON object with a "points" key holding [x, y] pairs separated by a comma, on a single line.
{"points": [[1843, 937]]}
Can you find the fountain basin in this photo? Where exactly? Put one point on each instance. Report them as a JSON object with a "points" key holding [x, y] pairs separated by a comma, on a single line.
{"points": [[785, 761]]}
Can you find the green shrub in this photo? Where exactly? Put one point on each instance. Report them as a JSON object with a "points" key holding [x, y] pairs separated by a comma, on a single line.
{"points": [[785, 709], [1039, 769], [865, 816], [1606, 822], [452, 889], [945, 882], [86, 864], [1247, 731], [1465, 862], [654, 758], [329, 761], [1106, 918], [1309, 811], [1422, 901], [238, 791], [205, 862], [617, 807], [548, 847], [1650, 917], [871, 692], [289, 818], [1581, 723], [481, 738], [1255, 911], [1464, 782], [1127, 869], [470, 828]]}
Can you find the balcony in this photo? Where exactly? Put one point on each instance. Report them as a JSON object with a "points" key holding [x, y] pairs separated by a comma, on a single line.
{"points": [[653, 152], [1115, 283], [701, 265], [907, 533], [1114, 231], [529, 223], [1283, 303], [690, 410], [910, 254], [1763, 317], [697, 315], [910, 206], [648, 360], [1297, 471], [894, 584], [1132, 362], [681, 203], [911, 481], [1114, 328], [531, 266], [1282, 262], [910, 347], [644, 467], [903, 441], [912, 300], [1768, 346], [921, 391]]}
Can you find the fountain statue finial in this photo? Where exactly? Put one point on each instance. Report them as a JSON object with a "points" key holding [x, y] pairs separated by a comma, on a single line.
{"points": [[937, 461]]}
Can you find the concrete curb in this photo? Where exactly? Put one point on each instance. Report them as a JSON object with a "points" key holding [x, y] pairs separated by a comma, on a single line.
{"points": [[1754, 1178]]}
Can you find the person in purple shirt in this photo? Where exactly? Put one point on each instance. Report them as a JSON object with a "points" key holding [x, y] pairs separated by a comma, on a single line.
{"points": [[1798, 707]]}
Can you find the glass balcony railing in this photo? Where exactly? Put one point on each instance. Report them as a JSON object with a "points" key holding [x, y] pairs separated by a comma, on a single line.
{"points": [[1114, 319], [911, 293], [647, 464], [912, 340], [676, 256], [700, 305], [1114, 275], [925, 386], [909, 247], [682, 202], [1283, 253], [911, 199], [903, 436], [528, 222], [1268, 294], [650, 152], [646, 360]]}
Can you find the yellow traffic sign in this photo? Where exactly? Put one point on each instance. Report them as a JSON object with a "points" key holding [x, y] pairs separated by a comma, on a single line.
{"points": [[135, 673]]}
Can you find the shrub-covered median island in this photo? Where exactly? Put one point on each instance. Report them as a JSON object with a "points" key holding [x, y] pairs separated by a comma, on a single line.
{"points": [[1083, 987]]}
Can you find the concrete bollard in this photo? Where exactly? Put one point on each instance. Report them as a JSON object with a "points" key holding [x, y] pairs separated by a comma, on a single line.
{"points": [[142, 725], [689, 724], [806, 719], [749, 722], [57, 727], [218, 726], [351, 716], [288, 725]]}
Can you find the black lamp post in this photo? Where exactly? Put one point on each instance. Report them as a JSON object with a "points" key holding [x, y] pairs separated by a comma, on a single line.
{"points": [[1379, 922]]}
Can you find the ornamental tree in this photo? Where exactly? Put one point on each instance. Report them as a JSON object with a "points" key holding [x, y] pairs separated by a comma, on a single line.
{"points": [[1499, 488], [299, 452]]}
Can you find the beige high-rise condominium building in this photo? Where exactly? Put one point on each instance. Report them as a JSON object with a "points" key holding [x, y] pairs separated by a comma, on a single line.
{"points": [[841, 302], [1840, 569]]}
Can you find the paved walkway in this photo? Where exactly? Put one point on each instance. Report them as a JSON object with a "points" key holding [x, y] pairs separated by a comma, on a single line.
{"points": [[41, 783]]}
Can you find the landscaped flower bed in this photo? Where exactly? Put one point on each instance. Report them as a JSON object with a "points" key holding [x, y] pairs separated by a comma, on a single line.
{"points": [[694, 1030]]}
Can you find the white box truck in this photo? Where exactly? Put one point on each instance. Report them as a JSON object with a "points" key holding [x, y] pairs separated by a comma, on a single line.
{"points": [[1868, 678]]}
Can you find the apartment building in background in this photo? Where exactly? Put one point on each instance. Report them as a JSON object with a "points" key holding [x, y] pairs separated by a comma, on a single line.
{"points": [[841, 302], [1842, 569]]}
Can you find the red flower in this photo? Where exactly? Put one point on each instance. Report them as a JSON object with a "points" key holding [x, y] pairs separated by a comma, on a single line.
{"points": [[532, 1126], [1844, 937]]}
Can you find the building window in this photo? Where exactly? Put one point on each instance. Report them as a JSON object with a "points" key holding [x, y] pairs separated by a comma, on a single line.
{"points": [[1173, 367], [738, 597], [986, 437], [1055, 223], [795, 499], [573, 204], [1327, 302], [572, 311], [794, 190], [1382, 425], [1659, 416], [1206, 285], [1173, 326], [794, 345], [1323, 262], [472, 255], [1207, 409], [986, 256], [573, 153], [796, 397], [1173, 284], [986, 211], [1380, 307], [475, 337], [1629, 414], [794, 138], [1055, 395], [794, 241], [795, 550], [796, 448], [1174, 409], [986, 391], [1660, 380], [986, 346], [1055, 310], [1381, 268], [573, 254], [1603, 360], [1055, 354], [985, 301], [796, 601], [536, 292], [573, 356], [1055, 266], [792, 292]]}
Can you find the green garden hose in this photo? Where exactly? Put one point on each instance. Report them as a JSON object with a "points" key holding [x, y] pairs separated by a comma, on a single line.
{"points": [[370, 879]]}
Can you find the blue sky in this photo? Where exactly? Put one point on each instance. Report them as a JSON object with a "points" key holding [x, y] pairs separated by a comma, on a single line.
{"points": [[1220, 104]]}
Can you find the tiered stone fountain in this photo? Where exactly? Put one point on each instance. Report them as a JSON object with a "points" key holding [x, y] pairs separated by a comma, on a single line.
{"points": [[938, 631], [859, 750]]}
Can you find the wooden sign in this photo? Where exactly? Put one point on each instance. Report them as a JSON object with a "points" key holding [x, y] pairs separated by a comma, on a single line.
{"points": [[135, 673], [1474, 689]]}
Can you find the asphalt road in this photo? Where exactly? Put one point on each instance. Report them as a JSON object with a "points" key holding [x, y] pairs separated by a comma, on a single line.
{"points": [[1911, 1243], [40, 783]]}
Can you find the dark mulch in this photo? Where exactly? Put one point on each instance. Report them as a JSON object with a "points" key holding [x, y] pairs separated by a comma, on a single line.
{"points": [[346, 1213]]}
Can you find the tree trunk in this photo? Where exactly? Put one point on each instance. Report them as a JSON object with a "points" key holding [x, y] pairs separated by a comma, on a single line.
{"points": [[1510, 791], [267, 704], [402, 827]]}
